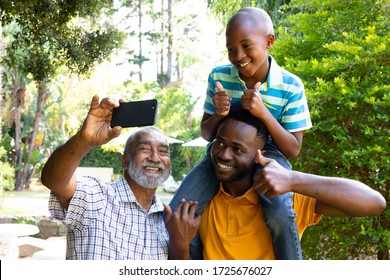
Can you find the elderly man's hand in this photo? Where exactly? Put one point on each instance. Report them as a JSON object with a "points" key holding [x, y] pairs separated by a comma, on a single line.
{"points": [[182, 225], [96, 128]]}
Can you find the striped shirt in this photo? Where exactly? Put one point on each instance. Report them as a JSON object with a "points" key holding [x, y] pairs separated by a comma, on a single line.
{"points": [[105, 221], [282, 93]]}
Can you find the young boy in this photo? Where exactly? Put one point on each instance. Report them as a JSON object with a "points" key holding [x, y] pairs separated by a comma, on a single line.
{"points": [[269, 93]]}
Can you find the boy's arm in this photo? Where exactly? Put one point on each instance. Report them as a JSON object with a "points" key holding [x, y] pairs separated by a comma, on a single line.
{"points": [[210, 125], [288, 143], [334, 195]]}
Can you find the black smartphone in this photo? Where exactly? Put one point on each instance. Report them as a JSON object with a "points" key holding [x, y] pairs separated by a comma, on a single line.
{"points": [[135, 113]]}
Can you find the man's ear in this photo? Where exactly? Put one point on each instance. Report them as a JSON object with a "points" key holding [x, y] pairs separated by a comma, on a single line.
{"points": [[124, 162]]}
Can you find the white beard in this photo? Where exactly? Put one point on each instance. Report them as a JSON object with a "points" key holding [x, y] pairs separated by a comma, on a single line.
{"points": [[145, 180]]}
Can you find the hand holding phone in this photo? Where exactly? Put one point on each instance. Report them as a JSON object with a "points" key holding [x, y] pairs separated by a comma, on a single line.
{"points": [[135, 113]]}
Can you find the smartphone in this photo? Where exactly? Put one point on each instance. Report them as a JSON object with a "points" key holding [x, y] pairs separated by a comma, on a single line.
{"points": [[135, 113]]}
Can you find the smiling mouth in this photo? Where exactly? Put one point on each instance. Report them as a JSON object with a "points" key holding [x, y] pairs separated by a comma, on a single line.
{"points": [[224, 166], [152, 168], [242, 65]]}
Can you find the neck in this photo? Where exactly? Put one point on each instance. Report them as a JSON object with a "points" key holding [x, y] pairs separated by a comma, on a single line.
{"points": [[143, 195], [237, 188]]}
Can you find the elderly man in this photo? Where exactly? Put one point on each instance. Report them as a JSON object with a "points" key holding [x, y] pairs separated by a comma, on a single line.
{"points": [[120, 220]]}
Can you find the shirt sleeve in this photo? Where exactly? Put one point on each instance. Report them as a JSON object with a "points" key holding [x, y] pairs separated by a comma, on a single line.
{"points": [[208, 106], [88, 200], [304, 207], [296, 114]]}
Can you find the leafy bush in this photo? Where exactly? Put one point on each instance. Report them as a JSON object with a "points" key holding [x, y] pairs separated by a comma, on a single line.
{"points": [[344, 64], [7, 172]]}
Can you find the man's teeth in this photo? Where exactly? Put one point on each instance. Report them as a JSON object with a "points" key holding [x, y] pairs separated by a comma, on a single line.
{"points": [[243, 64], [224, 166], [152, 168]]}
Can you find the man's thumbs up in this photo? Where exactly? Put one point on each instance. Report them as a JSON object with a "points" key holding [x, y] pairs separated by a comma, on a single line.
{"points": [[260, 159]]}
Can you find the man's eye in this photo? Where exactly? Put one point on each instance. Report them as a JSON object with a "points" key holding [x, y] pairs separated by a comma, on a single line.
{"points": [[219, 143]]}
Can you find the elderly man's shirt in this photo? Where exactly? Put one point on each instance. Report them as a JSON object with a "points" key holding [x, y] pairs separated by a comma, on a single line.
{"points": [[105, 221]]}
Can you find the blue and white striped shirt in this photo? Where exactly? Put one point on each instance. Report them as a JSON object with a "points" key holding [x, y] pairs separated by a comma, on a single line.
{"points": [[105, 222], [283, 94]]}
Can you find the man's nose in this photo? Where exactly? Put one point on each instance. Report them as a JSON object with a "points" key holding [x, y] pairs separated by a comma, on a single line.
{"points": [[154, 156], [226, 154]]}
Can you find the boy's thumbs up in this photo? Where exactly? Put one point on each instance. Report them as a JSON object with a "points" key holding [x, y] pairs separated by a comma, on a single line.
{"points": [[260, 159], [257, 86], [219, 86]]}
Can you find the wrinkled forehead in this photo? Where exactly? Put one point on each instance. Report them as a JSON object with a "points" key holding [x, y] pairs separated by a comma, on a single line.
{"points": [[151, 137]]}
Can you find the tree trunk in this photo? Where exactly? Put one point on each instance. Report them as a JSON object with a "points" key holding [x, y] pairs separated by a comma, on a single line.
{"points": [[162, 41], [18, 158], [24, 178], [170, 42], [140, 58]]}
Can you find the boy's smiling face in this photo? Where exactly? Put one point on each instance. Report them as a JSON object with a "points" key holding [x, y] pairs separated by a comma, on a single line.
{"points": [[248, 44]]}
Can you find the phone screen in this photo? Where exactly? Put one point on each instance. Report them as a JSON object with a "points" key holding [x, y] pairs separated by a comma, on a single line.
{"points": [[135, 113]]}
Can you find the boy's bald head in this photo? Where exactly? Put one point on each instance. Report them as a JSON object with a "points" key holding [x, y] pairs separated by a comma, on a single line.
{"points": [[258, 17]]}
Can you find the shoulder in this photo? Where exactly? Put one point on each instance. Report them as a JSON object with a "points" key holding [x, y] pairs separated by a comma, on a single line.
{"points": [[281, 75], [222, 69]]}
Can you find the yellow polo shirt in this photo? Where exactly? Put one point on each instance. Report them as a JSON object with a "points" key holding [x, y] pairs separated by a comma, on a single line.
{"points": [[234, 228]]}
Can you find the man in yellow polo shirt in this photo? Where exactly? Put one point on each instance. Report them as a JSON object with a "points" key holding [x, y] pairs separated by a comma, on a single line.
{"points": [[232, 225]]}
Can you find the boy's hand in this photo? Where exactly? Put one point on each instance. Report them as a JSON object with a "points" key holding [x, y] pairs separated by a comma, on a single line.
{"points": [[251, 101], [221, 101], [273, 179]]}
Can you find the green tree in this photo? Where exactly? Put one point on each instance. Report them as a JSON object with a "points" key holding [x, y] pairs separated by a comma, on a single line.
{"points": [[340, 50], [41, 44]]}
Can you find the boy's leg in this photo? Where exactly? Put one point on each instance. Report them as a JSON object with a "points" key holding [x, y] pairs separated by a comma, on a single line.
{"points": [[280, 218], [200, 185]]}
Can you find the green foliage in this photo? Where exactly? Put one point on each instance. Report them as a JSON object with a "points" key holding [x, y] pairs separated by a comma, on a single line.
{"points": [[7, 172], [97, 157], [339, 49], [51, 38]]}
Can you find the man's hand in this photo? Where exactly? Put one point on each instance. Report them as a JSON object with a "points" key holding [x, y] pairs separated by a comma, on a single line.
{"points": [[221, 101], [96, 128], [182, 225], [273, 179]]}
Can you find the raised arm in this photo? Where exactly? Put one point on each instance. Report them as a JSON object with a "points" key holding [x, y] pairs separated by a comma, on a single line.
{"points": [[334, 195], [58, 172], [289, 144]]}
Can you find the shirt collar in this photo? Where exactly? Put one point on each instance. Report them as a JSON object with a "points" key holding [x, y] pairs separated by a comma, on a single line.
{"points": [[126, 194]]}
